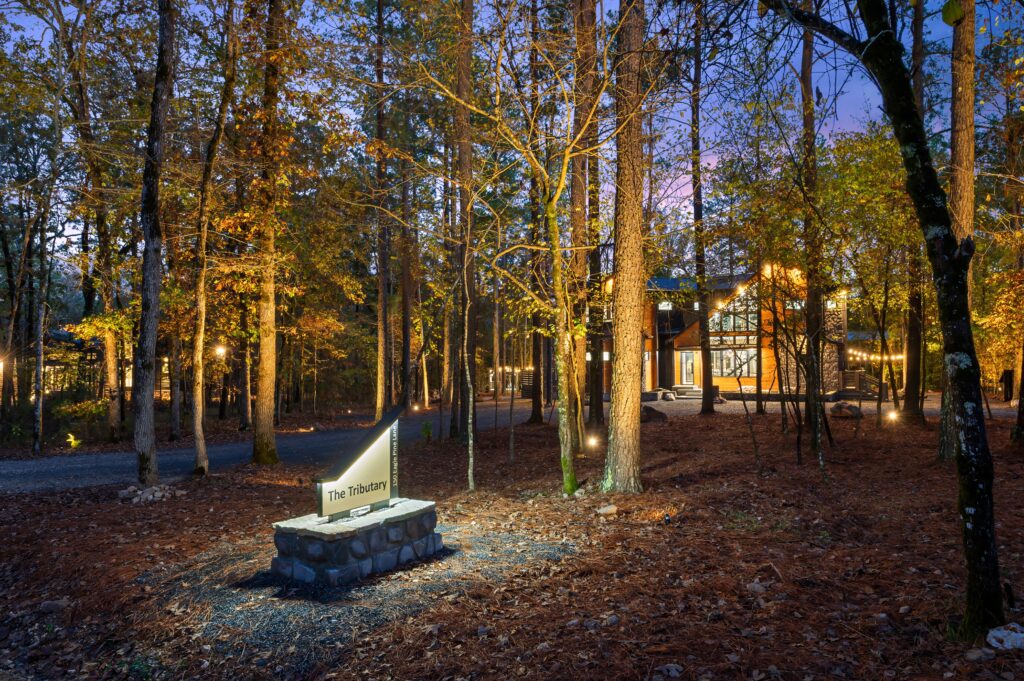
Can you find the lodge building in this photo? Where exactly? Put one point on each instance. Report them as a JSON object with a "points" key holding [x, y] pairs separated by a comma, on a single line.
{"points": [[756, 329]]}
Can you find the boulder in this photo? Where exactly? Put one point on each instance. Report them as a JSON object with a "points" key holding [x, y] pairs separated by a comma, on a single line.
{"points": [[845, 410], [650, 414]]}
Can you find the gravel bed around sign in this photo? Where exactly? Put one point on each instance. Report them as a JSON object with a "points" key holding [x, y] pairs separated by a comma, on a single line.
{"points": [[238, 606]]}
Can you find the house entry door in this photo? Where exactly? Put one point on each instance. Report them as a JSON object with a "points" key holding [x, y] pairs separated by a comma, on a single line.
{"points": [[686, 368]]}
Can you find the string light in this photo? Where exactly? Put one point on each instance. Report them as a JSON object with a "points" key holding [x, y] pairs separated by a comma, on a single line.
{"points": [[875, 357]]}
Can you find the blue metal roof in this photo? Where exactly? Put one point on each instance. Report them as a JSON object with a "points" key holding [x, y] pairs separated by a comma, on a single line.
{"points": [[672, 284], [690, 283]]}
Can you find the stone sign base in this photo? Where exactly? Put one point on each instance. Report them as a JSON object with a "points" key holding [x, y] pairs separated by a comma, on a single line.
{"points": [[314, 550]]}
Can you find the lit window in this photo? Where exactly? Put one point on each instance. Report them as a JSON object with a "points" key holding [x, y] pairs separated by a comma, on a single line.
{"points": [[733, 362]]}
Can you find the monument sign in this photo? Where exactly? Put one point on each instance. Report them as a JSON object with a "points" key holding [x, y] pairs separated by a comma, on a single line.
{"points": [[361, 526]]}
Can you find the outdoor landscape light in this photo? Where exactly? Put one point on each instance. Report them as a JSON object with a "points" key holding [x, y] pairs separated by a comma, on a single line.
{"points": [[220, 351], [591, 441], [893, 415]]}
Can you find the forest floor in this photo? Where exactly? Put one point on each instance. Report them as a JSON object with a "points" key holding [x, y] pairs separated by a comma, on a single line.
{"points": [[716, 571]]}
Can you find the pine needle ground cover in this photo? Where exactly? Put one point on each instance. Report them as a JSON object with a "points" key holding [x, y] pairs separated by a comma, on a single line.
{"points": [[716, 571]]}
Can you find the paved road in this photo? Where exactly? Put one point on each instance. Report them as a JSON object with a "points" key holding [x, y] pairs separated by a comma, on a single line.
{"points": [[84, 470]]}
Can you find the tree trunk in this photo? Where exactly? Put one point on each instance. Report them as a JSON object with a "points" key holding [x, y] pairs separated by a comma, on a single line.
{"points": [[174, 376], [264, 444], [222, 407], [40, 337], [596, 322], [913, 385], [408, 373], [961, 179], [202, 463], [536, 258], [463, 68], [145, 353], [245, 422], [961, 136], [813, 304], [384, 380], [1017, 434], [568, 436], [584, 114], [622, 466], [446, 367], [707, 400]]}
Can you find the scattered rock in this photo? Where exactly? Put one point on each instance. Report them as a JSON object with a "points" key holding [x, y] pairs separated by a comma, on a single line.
{"points": [[756, 587], [50, 607], [979, 654], [610, 509], [668, 396], [904, 609], [610, 621], [1009, 637], [670, 671], [154, 493]]}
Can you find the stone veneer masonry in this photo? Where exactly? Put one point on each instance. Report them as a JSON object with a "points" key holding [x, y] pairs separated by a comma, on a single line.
{"points": [[313, 550]]}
